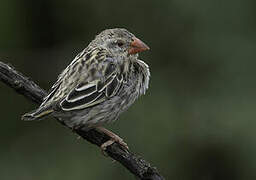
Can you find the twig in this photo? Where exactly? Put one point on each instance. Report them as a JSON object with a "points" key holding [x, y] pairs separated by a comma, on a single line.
{"points": [[135, 164]]}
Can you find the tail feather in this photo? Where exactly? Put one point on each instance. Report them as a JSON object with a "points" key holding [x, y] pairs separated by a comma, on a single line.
{"points": [[37, 114]]}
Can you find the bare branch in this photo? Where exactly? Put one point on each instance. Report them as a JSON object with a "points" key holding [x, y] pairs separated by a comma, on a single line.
{"points": [[26, 87]]}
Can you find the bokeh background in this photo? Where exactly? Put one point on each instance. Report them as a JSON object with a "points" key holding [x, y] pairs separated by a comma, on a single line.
{"points": [[197, 120]]}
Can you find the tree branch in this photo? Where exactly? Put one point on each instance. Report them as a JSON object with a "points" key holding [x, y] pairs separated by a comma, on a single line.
{"points": [[26, 87]]}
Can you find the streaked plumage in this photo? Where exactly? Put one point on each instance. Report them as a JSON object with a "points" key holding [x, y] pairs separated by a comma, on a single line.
{"points": [[100, 83]]}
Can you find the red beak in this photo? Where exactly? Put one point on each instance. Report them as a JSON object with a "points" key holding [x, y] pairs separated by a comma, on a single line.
{"points": [[137, 46]]}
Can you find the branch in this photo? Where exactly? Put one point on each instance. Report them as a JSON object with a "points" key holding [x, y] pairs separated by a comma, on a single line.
{"points": [[26, 87]]}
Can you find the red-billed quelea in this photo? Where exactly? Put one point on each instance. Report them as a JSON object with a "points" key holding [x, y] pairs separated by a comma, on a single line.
{"points": [[99, 84]]}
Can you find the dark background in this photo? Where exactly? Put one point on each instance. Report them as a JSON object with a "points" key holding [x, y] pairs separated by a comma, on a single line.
{"points": [[197, 120]]}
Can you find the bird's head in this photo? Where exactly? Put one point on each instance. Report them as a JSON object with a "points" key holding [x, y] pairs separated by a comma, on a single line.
{"points": [[120, 42]]}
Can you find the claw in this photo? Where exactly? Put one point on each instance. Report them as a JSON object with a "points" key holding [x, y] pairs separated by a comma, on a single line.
{"points": [[114, 138]]}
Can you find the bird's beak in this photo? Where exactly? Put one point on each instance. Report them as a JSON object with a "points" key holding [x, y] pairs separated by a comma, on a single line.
{"points": [[137, 46]]}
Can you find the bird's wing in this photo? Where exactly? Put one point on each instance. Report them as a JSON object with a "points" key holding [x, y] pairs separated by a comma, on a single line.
{"points": [[106, 82], [55, 88]]}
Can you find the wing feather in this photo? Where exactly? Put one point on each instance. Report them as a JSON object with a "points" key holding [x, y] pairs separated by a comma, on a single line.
{"points": [[76, 95], [83, 102], [87, 94]]}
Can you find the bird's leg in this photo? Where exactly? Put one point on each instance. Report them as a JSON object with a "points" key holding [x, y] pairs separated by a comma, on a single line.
{"points": [[114, 138]]}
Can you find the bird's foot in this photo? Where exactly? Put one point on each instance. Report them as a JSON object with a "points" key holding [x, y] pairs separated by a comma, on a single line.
{"points": [[117, 139], [114, 138]]}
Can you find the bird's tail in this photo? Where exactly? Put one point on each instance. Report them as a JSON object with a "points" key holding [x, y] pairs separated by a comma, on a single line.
{"points": [[37, 114]]}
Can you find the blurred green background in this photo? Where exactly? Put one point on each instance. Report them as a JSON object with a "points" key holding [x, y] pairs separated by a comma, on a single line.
{"points": [[197, 120]]}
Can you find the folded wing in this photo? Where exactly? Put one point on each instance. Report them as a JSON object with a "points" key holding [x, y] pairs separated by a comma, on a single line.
{"points": [[88, 94]]}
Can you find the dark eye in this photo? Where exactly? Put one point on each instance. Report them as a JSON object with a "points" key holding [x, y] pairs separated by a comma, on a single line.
{"points": [[120, 43]]}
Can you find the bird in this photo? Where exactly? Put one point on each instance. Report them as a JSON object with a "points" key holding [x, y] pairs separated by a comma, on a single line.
{"points": [[101, 82]]}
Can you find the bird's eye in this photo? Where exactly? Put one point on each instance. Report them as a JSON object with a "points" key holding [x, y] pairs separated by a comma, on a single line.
{"points": [[120, 43]]}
